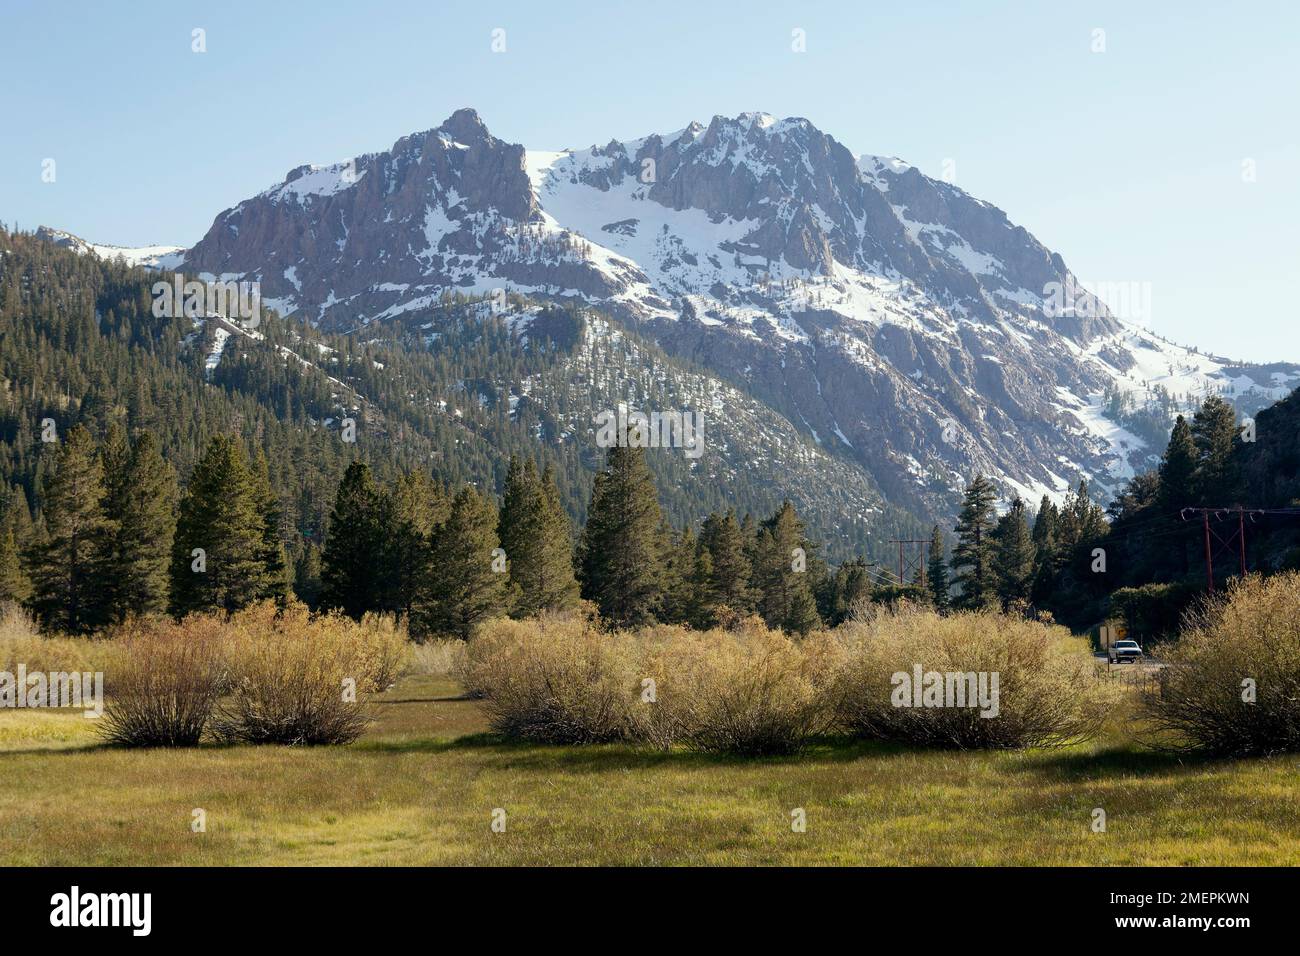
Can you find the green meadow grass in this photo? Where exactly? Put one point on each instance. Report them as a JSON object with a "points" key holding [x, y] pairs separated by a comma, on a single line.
{"points": [[421, 787]]}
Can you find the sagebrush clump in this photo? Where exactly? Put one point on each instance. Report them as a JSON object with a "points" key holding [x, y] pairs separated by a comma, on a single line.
{"points": [[1047, 694], [750, 690], [262, 675], [562, 680], [1232, 681], [299, 679], [166, 683], [557, 680]]}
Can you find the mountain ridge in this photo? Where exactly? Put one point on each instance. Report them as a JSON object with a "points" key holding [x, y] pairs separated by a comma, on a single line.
{"points": [[906, 325]]}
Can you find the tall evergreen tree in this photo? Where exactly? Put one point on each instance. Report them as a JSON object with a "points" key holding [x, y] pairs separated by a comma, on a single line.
{"points": [[419, 505], [937, 571], [621, 555], [271, 553], [1013, 556], [15, 586], [535, 533], [68, 565], [218, 556], [141, 505], [354, 569], [1177, 490], [972, 557], [850, 586], [1214, 431], [463, 587], [306, 576], [722, 537], [1177, 467], [1045, 551], [15, 533], [785, 596]]}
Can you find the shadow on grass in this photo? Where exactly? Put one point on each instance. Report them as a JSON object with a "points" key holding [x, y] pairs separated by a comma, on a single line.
{"points": [[87, 747], [598, 758], [1132, 760]]}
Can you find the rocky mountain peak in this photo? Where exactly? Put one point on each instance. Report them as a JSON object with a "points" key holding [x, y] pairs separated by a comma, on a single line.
{"points": [[894, 319]]}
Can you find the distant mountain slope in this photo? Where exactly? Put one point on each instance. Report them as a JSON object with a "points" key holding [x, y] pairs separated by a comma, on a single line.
{"points": [[901, 324], [159, 257], [456, 390]]}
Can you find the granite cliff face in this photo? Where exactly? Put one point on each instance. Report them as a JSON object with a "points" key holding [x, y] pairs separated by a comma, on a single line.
{"points": [[899, 323]]}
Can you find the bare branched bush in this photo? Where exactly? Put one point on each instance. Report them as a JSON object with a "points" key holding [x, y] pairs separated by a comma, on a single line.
{"points": [[295, 679], [556, 680], [1048, 694], [749, 691], [165, 683], [1232, 681]]}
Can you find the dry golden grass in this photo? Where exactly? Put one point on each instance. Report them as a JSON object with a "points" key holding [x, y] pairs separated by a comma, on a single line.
{"points": [[22, 642], [420, 786]]}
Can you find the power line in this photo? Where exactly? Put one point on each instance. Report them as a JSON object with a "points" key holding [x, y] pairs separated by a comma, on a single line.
{"points": [[1211, 536]]}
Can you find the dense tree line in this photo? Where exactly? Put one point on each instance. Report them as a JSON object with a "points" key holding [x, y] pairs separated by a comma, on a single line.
{"points": [[1081, 562]]}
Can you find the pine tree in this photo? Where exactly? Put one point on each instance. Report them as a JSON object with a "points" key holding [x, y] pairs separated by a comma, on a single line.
{"points": [[1214, 431], [271, 553], [463, 587], [141, 504], [682, 602], [535, 533], [68, 564], [722, 537], [1177, 490], [1013, 557], [1177, 467], [1045, 552], [219, 549], [15, 587], [785, 596], [937, 571], [851, 586], [419, 505], [306, 576], [972, 558], [15, 534], [354, 567], [621, 555]]}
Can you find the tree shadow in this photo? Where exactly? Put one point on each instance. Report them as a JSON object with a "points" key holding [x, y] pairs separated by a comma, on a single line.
{"points": [[1141, 762]]}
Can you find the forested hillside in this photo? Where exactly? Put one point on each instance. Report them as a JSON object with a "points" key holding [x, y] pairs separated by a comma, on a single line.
{"points": [[455, 390]]}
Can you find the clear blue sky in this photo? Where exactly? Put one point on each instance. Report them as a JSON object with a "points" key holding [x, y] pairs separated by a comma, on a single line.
{"points": [[1127, 162]]}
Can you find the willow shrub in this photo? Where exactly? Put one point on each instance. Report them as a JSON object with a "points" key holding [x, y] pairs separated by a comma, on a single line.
{"points": [[165, 683], [1232, 681], [564, 681], [1047, 694], [302, 679]]}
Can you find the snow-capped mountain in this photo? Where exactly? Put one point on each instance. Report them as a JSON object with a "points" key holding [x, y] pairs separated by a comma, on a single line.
{"points": [[897, 321], [154, 257]]}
